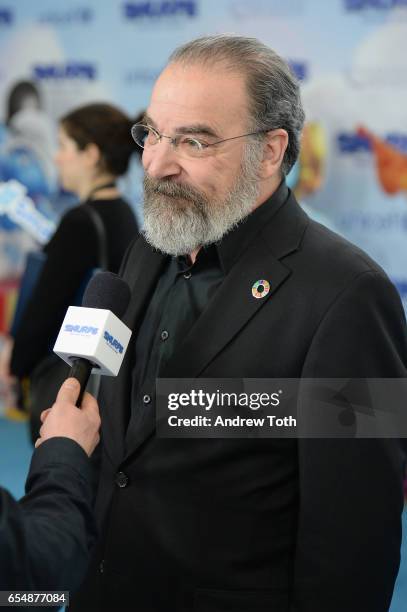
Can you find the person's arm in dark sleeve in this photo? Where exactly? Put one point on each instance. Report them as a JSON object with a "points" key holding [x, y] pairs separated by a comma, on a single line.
{"points": [[71, 253], [351, 495], [45, 538]]}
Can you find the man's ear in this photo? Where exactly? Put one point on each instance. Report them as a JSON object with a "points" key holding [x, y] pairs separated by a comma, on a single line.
{"points": [[92, 154], [275, 145]]}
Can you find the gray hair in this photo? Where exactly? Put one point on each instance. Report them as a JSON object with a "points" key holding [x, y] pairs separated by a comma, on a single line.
{"points": [[273, 89]]}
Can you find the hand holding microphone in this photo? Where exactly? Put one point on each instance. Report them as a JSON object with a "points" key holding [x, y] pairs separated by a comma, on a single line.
{"points": [[65, 420]]}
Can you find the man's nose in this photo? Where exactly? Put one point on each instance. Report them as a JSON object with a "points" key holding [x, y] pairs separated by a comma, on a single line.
{"points": [[161, 160]]}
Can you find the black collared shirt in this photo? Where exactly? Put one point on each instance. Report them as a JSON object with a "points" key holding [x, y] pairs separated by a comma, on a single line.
{"points": [[181, 294]]}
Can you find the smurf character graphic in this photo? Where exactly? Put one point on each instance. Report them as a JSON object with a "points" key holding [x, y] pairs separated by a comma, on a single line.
{"points": [[391, 163]]}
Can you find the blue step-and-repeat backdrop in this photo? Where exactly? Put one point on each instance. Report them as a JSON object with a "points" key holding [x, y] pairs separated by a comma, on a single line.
{"points": [[350, 55]]}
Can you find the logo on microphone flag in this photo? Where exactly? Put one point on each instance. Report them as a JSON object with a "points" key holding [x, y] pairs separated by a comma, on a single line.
{"points": [[94, 334]]}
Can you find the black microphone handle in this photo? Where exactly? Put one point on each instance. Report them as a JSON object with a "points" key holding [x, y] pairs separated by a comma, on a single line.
{"points": [[81, 369]]}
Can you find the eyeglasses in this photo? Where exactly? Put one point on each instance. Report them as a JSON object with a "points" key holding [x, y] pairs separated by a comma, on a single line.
{"points": [[186, 146]]}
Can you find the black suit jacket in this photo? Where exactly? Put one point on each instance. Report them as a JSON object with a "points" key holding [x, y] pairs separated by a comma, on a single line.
{"points": [[257, 525]]}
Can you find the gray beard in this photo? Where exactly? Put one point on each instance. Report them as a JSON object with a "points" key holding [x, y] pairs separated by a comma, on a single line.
{"points": [[179, 219]]}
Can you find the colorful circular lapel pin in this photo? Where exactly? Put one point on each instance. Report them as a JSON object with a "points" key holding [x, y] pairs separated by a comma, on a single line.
{"points": [[260, 289]]}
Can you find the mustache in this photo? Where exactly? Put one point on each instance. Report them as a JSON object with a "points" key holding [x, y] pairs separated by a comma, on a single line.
{"points": [[171, 189]]}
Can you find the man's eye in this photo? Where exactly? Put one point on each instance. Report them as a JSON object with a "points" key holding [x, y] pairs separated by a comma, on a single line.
{"points": [[192, 143]]}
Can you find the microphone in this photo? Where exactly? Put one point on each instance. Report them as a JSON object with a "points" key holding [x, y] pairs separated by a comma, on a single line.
{"points": [[92, 337]]}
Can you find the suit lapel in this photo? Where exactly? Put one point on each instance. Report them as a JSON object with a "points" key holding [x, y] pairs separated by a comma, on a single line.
{"points": [[232, 306], [141, 273]]}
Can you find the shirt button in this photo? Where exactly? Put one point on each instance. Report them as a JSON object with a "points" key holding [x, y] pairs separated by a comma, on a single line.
{"points": [[102, 566], [164, 335], [146, 399], [122, 480], [187, 275]]}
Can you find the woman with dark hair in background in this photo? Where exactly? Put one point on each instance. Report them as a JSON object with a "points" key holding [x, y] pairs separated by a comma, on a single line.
{"points": [[95, 147]]}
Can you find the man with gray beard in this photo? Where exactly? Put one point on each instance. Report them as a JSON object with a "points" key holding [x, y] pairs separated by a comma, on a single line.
{"points": [[232, 280]]}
